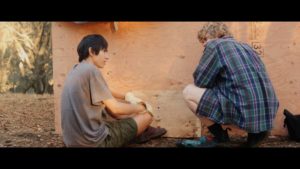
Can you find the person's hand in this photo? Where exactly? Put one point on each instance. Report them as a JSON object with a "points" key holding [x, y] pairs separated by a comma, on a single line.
{"points": [[149, 109], [131, 98]]}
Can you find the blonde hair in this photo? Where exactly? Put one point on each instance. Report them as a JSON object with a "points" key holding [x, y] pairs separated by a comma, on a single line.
{"points": [[212, 30]]}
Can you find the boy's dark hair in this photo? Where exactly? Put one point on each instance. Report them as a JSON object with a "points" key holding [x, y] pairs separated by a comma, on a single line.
{"points": [[95, 41]]}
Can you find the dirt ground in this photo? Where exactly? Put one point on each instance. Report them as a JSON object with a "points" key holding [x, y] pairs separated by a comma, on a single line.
{"points": [[28, 121]]}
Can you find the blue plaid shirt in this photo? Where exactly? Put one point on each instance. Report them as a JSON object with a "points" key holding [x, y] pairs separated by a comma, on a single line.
{"points": [[239, 90]]}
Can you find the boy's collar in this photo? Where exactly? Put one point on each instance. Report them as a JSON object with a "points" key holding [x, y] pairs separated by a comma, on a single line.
{"points": [[224, 37]]}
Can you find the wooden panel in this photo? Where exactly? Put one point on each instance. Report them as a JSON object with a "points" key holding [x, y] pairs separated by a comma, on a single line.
{"points": [[159, 59]]}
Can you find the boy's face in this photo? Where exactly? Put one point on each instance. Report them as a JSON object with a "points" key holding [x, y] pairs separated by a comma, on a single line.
{"points": [[100, 59]]}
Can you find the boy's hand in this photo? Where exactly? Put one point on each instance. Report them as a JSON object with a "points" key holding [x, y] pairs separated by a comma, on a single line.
{"points": [[130, 97], [148, 107]]}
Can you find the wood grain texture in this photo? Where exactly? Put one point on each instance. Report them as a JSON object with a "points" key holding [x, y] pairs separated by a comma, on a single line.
{"points": [[160, 57]]}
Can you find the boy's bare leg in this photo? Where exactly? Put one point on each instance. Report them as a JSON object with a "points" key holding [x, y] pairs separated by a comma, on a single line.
{"points": [[143, 121], [192, 95]]}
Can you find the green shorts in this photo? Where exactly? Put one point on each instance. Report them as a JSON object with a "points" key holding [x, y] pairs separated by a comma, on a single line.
{"points": [[121, 132]]}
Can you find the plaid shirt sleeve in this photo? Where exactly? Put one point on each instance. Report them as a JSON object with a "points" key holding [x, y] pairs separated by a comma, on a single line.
{"points": [[208, 69]]}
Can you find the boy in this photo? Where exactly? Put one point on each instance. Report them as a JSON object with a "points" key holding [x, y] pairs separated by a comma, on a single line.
{"points": [[92, 115], [231, 86]]}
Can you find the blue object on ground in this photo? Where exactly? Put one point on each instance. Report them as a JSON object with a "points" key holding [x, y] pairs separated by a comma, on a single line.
{"points": [[203, 141]]}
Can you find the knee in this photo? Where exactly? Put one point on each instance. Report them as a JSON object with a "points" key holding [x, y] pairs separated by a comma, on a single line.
{"points": [[187, 91], [149, 117]]}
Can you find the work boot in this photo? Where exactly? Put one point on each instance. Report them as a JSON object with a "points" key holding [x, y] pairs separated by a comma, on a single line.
{"points": [[255, 139], [220, 135], [149, 134]]}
